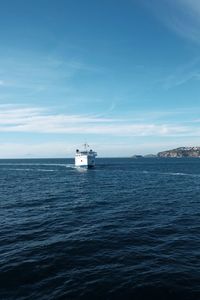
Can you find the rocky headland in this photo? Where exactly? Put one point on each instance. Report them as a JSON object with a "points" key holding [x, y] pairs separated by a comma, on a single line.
{"points": [[181, 152]]}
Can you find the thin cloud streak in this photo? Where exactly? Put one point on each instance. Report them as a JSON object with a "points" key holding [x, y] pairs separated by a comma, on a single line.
{"points": [[28, 77], [180, 16], [39, 120], [183, 74]]}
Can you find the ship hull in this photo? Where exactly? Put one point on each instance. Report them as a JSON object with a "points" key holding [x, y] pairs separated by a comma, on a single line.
{"points": [[85, 161]]}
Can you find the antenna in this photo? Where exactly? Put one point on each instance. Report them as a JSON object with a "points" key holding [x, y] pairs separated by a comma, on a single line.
{"points": [[86, 146]]}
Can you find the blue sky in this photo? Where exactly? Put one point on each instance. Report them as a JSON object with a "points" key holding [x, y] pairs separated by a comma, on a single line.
{"points": [[122, 75]]}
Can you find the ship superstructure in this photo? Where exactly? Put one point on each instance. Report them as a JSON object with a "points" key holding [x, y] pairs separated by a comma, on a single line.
{"points": [[86, 157]]}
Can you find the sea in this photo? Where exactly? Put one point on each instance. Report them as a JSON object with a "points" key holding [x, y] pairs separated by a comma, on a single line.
{"points": [[126, 229]]}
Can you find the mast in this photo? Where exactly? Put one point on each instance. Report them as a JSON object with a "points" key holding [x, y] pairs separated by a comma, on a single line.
{"points": [[86, 146]]}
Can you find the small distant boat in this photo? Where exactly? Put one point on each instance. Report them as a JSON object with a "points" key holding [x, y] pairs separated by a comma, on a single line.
{"points": [[85, 158]]}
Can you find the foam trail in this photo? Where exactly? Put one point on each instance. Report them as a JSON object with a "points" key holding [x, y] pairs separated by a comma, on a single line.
{"points": [[28, 169], [34, 164]]}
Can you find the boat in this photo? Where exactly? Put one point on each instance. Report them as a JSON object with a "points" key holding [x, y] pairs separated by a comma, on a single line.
{"points": [[85, 158]]}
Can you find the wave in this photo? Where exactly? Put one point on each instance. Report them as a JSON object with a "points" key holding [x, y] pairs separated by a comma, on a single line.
{"points": [[171, 173]]}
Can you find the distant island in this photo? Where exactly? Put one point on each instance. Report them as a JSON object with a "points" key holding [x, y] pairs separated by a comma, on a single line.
{"points": [[181, 152], [177, 153], [144, 156]]}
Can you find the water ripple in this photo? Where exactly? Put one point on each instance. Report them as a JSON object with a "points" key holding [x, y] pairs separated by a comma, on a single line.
{"points": [[125, 230]]}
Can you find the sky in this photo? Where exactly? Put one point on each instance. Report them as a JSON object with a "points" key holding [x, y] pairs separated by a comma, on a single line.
{"points": [[123, 76]]}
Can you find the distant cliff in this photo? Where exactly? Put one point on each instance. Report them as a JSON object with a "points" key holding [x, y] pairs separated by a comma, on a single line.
{"points": [[181, 152]]}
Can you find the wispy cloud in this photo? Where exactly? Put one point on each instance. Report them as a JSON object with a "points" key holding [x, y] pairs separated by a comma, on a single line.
{"points": [[183, 74], [186, 19], [39, 120], [180, 16], [27, 76]]}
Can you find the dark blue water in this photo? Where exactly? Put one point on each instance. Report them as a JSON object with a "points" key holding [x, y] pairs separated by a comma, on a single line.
{"points": [[128, 229]]}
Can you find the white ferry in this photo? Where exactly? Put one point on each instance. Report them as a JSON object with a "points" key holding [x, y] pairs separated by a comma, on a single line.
{"points": [[85, 158]]}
